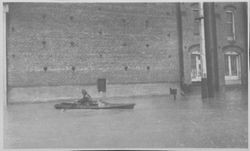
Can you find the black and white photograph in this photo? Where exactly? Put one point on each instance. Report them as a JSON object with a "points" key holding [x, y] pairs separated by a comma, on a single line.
{"points": [[124, 75]]}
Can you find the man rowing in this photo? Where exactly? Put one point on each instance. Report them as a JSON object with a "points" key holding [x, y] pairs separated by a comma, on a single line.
{"points": [[86, 99]]}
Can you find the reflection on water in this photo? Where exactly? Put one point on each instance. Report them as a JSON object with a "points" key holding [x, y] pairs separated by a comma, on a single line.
{"points": [[155, 122]]}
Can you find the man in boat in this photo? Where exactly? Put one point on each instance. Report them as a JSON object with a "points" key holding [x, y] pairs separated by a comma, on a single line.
{"points": [[86, 99]]}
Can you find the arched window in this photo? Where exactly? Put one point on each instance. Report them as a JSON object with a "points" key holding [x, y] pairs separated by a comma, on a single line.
{"points": [[195, 63], [232, 66]]}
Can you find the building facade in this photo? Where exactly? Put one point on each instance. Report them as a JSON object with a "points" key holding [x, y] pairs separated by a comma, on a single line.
{"points": [[67, 44], [231, 28], [50, 44]]}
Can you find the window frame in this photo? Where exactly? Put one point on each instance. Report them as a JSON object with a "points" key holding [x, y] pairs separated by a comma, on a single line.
{"points": [[231, 34], [196, 23], [197, 64], [230, 76]]}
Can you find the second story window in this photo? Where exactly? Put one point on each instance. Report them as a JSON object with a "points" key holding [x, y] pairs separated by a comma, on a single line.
{"points": [[230, 25], [196, 21], [230, 22]]}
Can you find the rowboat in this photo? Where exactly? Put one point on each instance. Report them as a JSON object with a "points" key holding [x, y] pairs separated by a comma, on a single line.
{"points": [[103, 105]]}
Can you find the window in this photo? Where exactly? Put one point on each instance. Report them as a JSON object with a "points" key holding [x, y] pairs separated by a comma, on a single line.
{"points": [[230, 25], [196, 15], [232, 66], [195, 66]]}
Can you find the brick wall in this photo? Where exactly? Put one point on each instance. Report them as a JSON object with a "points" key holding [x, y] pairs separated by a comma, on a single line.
{"points": [[238, 45], [191, 40], [77, 43]]}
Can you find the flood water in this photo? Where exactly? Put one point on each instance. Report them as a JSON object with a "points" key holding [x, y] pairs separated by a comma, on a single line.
{"points": [[155, 122]]}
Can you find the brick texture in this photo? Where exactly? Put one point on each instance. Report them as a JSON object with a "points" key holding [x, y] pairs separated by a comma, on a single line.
{"points": [[191, 41], [76, 43]]}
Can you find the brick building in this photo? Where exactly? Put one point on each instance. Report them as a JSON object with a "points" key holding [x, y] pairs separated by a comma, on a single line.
{"points": [[64, 44], [231, 27], [57, 44]]}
